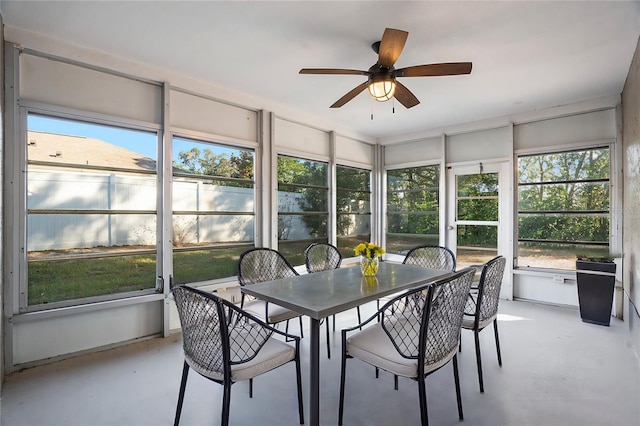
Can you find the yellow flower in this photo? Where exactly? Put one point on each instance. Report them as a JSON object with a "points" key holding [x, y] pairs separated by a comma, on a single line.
{"points": [[369, 250]]}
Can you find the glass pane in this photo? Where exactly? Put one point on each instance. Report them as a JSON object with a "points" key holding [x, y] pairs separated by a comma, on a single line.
{"points": [[293, 251], [299, 199], [412, 208], [61, 280], [353, 224], [426, 178], [413, 223], [346, 244], [412, 201], [478, 185], [71, 190], [402, 243], [355, 179], [476, 244], [558, 227], [478, 209], [210, 179], [68, 142], [199, 196], [91, 222], [203, 265], [563, 205], [90, 233], [353, 202], [303, 208], [302, 172], [577, 196], [564, 166], [302, 227], [556, 256], [208, 159], [195, 230]]}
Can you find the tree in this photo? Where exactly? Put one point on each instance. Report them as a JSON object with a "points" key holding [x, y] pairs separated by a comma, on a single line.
{"points": [[207, 162]]}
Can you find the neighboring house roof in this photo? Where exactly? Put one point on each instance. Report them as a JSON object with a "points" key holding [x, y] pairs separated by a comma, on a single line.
{"points": [[80, 150]]}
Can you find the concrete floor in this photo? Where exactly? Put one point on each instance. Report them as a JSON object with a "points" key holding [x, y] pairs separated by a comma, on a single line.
{"points": [[556, 370]]}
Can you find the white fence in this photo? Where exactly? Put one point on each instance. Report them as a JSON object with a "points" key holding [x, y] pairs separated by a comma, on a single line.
{"points": [[49, 192]]}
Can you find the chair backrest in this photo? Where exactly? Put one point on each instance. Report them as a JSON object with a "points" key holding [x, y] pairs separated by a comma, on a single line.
{"points": [[322, 257], [211, 344], [436, 257], [425, 321], [263, 264], [486, 305]]}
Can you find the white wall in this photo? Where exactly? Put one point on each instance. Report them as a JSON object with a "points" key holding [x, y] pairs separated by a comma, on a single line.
{"points": [[631, 184]]}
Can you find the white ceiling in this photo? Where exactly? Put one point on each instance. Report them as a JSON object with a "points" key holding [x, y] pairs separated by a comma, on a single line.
{"points": [[527, 55]]}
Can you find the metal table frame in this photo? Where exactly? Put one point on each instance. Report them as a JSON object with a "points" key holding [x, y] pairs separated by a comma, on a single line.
{"points": [[327, 293]]}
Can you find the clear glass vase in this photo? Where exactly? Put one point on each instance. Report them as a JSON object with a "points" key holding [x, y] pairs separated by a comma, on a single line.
{"points": [[369, 266]]}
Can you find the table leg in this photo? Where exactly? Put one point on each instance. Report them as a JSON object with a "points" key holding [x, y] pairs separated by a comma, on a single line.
{"points": [[314, 373]]}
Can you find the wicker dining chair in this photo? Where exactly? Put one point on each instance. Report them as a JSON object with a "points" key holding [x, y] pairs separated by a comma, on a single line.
{"points": [[436, 257], [264, 264], [418, 334], [482, 307], [226, 344], [320, 257], [426, 256]]}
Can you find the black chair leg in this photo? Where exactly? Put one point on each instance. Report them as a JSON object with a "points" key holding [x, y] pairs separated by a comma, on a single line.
{"points": [[226, 404], [342, 380], [476, 335], [359, 320], [301, 332], [495, 329], [395, 381], [456, 378], [250, 388], [334, 323], [183, 385], [422, 396], [328, 342], [299, 382]]}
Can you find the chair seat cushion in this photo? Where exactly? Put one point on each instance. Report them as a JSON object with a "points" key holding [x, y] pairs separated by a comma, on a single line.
{"points": [[273, 354], [373, 346], [276, 312], [468, 322]]}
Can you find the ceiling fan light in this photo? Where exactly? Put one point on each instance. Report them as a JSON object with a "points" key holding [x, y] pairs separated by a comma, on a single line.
{"points": [[382, 89]]}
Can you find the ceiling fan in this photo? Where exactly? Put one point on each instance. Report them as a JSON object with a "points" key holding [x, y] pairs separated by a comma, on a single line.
{"points": [[381, 81]]}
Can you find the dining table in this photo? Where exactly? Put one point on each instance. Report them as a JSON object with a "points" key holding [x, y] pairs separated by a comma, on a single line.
{"points": [[322, 294]]}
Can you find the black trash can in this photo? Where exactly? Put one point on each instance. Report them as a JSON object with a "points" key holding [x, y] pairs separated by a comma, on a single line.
{"points": [[596, 282]]}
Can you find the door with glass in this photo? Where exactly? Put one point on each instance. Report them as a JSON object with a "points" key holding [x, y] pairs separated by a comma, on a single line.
{"points": [[476, 218]]}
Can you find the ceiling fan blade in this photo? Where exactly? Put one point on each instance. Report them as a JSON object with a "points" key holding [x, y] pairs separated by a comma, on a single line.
{"points": [[432, 70], [332, 71], [352, 94], [405, 97], [391, 46]]}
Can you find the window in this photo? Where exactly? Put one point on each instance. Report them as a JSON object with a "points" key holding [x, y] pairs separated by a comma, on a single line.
{"points": [[412, 208], [213, 209], [563, 207], [91, 212], [476, 213], [353, 219], [302, 206]]}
